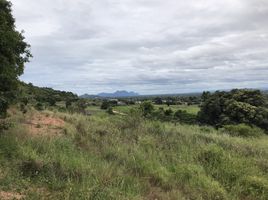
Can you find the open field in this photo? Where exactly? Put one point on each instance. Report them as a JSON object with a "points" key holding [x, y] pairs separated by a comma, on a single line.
{"points": [[127, 157], [193, 109]]}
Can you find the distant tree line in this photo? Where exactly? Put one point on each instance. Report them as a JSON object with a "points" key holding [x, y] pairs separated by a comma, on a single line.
{"points": [[149, 111], [31, 93]]}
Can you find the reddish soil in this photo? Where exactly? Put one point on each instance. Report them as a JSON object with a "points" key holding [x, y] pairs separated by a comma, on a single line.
{"points": [[45, 125]]}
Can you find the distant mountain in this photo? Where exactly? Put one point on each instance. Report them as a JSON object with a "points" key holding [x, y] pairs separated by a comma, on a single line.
{"points": [[116, 94], [121, 93]]}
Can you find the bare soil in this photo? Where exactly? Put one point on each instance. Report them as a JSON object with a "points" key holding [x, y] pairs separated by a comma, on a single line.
{"points": [[45, 125]]}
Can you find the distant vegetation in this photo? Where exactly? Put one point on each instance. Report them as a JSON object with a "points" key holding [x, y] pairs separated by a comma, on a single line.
{"points": [[55, 145]]}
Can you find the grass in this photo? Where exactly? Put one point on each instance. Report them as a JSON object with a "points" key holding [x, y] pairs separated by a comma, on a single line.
{"points": [[127, 157], [193, 109]]}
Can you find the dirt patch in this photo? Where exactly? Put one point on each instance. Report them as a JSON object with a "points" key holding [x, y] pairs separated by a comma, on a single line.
{"points": [[45, 125], [10, 196]]}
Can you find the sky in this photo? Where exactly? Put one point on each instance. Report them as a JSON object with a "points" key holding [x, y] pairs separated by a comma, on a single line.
{"points": [[146, 46]]}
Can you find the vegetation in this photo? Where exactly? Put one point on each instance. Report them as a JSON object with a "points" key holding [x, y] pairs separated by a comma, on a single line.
{"points": [[54, 145], [82, 159], [14, 52], [234, 107]]}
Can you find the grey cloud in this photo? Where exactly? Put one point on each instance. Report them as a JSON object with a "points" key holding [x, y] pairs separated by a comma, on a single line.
{"points": [[145, 45]]}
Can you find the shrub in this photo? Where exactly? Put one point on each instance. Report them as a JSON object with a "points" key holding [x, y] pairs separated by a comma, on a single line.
{"points": [[105, 105], [242, 130], [110, 111], [168, 112], [39, 106], [146, 108], [184, 117]]}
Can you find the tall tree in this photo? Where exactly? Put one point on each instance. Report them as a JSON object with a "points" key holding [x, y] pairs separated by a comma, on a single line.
{"points": [[14, 53]]}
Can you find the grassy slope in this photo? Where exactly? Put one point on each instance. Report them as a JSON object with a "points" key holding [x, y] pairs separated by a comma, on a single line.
{"points": [[117, 157]]}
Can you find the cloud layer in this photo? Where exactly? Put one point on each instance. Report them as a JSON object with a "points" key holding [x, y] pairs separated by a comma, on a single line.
{"points": [[149, 46]]}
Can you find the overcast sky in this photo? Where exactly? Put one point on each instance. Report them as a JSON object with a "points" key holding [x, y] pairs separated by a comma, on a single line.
{"points": [[147, 46]]}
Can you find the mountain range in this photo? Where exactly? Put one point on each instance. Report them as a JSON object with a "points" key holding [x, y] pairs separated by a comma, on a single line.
{"points": [[119, 93]]}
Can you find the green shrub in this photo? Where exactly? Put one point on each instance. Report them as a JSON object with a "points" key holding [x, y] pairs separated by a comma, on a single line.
{"points": [[147, 108], [110, 111], [39, 106], [105, 105], [242, 130], [185, 117]]}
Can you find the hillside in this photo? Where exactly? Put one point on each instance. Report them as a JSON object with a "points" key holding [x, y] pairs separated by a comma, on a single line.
{"points": [[52, 155]]}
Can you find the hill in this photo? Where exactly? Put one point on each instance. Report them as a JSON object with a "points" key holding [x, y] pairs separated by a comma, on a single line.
{"points": [[117, 94], [121, 93], [58, 155]]}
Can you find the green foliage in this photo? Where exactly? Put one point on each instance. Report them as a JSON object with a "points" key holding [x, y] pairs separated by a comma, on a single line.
{"points": [[185, 117], [31, 93], [110, 111], [105, 105], [146, 108], [237, 106], [14, 52], [39, 106], [242, 130]]}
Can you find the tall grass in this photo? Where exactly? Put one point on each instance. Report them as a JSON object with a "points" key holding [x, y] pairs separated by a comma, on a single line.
{"points": [[128, 157]]}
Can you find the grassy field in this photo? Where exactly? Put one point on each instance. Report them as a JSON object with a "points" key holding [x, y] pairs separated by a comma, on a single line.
{"points": [[193, 109], [52, 155]]}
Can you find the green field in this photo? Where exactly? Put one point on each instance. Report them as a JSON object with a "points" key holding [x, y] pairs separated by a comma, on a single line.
{"points": [[193, 109], [127, 157]]}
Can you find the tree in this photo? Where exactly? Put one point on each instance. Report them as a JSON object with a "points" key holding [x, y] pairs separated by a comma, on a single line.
{"points": [[14, 53], [234, 107], [105, 105]]}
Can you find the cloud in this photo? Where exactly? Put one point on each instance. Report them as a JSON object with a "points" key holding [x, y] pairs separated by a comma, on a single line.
{"points": [[149, 46]]}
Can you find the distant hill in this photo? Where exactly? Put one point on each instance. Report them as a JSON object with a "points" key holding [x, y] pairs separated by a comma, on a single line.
{"points": [[121, 93], [88, 96]]}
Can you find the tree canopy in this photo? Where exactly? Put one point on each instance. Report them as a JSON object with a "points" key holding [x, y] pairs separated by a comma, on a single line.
{"points": [[14, 53], [234, 107]]}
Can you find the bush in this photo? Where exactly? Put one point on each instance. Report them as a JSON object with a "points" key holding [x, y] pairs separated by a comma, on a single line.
{"points": [[146, 108], [39, 106], [242, 130], [184, 117], [105, 105], [110, 111]]}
